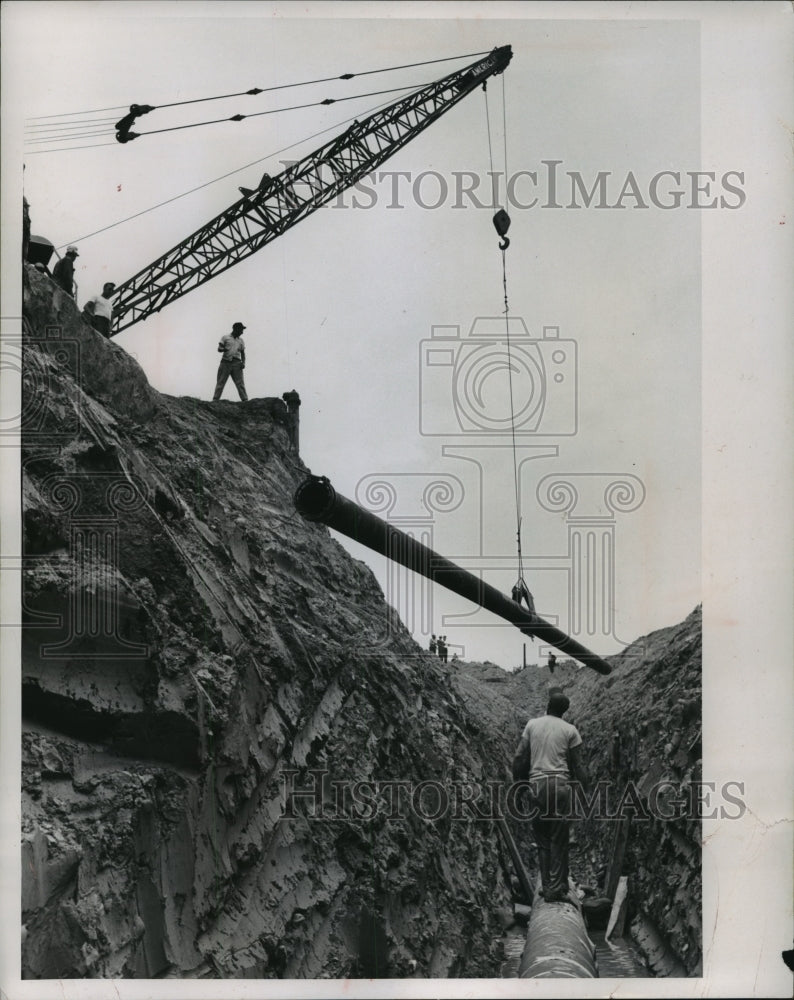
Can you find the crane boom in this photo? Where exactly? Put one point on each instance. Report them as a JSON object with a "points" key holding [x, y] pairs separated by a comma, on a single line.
{"points": [[300, 189]]}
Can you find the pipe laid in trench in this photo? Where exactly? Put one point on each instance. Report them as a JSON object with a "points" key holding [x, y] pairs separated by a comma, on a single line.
{"points": [[558, 945], [317, 500]]}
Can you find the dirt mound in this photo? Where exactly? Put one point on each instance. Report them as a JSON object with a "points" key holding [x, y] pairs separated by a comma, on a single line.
{"points": [[193, 653]]}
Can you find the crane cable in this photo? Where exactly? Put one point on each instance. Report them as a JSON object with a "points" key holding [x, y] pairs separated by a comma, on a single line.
{"points": [[125, 136], [263, 90], [229, 174], [214, 180], [325, 79], [125, 124], [501, 222]]}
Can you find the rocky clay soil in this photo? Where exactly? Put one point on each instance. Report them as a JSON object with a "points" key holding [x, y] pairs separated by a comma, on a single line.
{"points": [[193, 650]]}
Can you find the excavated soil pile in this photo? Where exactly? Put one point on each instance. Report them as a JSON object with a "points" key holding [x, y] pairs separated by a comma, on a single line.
{"points": [[192, 651], [641, 730]]}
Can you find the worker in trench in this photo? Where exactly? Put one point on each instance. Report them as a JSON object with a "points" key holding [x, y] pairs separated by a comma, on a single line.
{"points": [[549, 757]]}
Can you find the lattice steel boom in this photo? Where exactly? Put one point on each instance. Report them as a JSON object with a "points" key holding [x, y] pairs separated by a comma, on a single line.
{"points": [[296, 192]]}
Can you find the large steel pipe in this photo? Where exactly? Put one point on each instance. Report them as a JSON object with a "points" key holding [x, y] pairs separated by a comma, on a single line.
{"points": [[558, 945], [317, 500]]}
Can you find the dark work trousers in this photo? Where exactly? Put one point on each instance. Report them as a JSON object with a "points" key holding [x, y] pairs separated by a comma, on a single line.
{"points": [[235, 369], [551, 797], [101, 324]]}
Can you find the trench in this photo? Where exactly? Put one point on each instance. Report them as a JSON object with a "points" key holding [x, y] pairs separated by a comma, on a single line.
{"points": [[617, 959], [559, 942]]}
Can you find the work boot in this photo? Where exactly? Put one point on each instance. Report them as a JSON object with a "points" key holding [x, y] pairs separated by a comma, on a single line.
{"points": [[556, 897]]}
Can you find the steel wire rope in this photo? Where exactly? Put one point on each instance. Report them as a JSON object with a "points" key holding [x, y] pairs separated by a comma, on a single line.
{"points": [[275, 111], [40, 144], [507, 335], [66, 133], [73, 114], [264, 90], [60, 129], [490, 150], [504, 135], [325, 79], [67, 138], [507, 331], [65, 149], [215, 180], [234, 118]]}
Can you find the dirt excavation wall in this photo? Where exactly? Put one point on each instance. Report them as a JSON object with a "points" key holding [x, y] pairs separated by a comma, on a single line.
{"points": [[193, 649], [224, 724], [644, 730]]}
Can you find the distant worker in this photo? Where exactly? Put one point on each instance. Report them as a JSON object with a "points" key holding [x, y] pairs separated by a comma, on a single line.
{"points": [[552, 662], [521, 593], [442, 648], [100, 309], [549, 755], [232, 348], [63, 272], [432, 646]]}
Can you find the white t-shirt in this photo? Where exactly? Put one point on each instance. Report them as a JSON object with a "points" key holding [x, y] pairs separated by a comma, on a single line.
{"points": [[103, 306], [233, 348], [550, 738]]}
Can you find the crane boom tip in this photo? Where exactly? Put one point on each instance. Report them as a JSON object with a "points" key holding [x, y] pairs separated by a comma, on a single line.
{"points": [[502, 55]]}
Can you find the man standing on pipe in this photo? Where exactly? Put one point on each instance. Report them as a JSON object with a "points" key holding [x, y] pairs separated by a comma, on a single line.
{"points": [[549, 755]]}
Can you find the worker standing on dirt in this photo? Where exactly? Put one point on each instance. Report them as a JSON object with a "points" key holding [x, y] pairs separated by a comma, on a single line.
{"points": [[63, 272], [232, 348], [549, 755], [99, 310]]}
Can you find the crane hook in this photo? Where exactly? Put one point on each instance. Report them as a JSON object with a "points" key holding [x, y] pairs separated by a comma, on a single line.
{"points": [[501, 223]]}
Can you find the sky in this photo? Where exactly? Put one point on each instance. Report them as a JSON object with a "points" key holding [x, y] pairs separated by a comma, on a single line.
{"points": [[339, 307], [663, 451]]}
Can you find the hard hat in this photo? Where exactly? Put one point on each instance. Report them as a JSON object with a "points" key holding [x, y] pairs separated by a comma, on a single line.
{"points": [[72, 250]]}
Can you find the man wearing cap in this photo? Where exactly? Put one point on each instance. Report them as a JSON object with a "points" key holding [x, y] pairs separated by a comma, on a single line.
{"points": [[63, 272], [232, 348], [100, 309]]}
